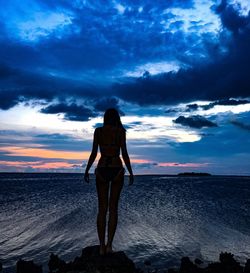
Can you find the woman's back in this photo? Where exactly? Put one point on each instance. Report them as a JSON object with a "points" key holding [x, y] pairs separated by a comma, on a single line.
{"points": [[110, 141]]}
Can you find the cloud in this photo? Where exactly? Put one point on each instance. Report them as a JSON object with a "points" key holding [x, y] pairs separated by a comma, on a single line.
{"points": [[223, 75], [78, 45], [56, 142], [215, 68], [241, 125], [195, 122], [232, 102], [71, 111], [108, 102], [226, 102], [230, 17], [192, 107], [18, 85], [91, 39], [16, 151], [8, 100], [148, 165], [32, 139], [39, 165], [53, 136], [228, 147]]}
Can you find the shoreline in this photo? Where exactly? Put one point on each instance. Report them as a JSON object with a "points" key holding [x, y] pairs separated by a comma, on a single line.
{"points": [[90, 261]]}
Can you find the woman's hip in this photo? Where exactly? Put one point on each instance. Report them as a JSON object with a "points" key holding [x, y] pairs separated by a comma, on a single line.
{"points": [[109, 173]]}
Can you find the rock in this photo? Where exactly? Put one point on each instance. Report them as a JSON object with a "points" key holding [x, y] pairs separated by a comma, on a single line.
{"points": [[171, 270], [229, 264], [247, 266], [116, 262], [92, 262], [188, 267], [55, 264], [28, 267], [139, 270], [227, 258], [214, 268], [198, 261], [147, 262]]}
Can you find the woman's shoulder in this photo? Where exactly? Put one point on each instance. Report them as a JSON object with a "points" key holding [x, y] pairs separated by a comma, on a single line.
{"points": [[110, 128], [97, 131]]}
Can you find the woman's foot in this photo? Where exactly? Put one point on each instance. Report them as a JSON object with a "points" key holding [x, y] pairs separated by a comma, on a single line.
{"points": [[102, 250], [109, 249]]}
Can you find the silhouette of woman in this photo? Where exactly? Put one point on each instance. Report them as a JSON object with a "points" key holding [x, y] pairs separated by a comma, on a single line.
{"points": [[111, 137]]}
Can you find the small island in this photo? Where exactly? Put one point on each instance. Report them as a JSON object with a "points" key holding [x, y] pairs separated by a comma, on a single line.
{"points": [[193, 174]]}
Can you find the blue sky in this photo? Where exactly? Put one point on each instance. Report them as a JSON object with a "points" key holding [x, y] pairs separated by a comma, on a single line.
{"points": [[178, 71]]}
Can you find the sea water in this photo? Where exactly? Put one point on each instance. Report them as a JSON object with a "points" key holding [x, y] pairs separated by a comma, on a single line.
{"points": [[161, 218]]}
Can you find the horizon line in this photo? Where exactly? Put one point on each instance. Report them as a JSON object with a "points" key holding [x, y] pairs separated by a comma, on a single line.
{"points": [[139, 174]]}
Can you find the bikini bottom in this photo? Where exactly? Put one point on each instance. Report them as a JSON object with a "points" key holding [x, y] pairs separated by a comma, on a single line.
{"points": [[109, 173]]}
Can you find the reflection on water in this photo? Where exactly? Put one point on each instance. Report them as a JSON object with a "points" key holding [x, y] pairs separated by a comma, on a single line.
{"points": [[161, 218]]}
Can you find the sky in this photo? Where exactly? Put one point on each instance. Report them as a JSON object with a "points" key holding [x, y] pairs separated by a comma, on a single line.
{"points": [[178, 72]]}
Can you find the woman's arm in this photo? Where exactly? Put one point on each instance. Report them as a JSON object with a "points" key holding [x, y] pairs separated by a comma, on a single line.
{"points": [[126, 158], [92, 156]]}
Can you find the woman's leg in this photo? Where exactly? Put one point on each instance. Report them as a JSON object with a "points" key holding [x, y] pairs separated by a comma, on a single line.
{"points": [[116, 187], [102, 187]]}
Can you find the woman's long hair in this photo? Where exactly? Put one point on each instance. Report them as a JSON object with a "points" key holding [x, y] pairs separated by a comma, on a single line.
{"points": [[112, 117]]}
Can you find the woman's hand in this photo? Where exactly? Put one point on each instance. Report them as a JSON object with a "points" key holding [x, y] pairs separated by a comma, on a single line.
{"points": [[86, 177], [131, 179]]}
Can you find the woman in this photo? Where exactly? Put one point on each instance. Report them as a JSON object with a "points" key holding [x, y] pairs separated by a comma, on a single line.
{"points": [[111, 137]]}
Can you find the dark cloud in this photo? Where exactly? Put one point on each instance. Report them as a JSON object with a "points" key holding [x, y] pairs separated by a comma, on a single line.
{"points": [[97, 38], [241, 125], [108, 102], [8, 100], [19, 85], [97, 47], [227, 76], [230, 17], [6, 71], [192, 107], [94, 49], [171, 111], [230, 102], [195, 122], [71, 111]]}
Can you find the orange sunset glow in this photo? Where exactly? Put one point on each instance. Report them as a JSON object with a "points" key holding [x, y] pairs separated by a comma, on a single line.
{"points": [[70, 155], [37, 164], [44, 153]]}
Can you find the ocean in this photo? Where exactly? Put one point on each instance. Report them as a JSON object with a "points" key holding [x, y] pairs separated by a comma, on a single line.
{"points": [[161, 218]]}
